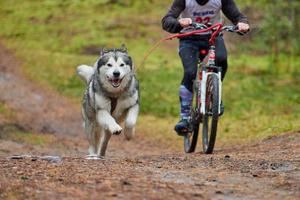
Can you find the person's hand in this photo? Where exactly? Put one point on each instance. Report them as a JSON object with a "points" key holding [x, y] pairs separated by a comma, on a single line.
{"points": [[185, 22], [243, 27]]}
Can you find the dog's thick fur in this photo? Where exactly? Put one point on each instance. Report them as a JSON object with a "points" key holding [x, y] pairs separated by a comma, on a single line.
{"points": [[111, 97]]}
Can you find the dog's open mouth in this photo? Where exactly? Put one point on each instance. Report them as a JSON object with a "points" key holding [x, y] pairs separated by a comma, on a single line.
{"points": [[115, 82]]}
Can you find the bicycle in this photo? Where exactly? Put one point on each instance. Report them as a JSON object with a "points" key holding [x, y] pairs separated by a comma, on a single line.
{"points": [[206, 106]]}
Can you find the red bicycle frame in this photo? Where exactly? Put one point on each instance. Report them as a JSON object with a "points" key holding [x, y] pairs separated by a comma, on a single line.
{"points": [[216, 29]]}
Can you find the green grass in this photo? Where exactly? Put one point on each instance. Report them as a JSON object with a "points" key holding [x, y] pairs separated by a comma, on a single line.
{"points": [[30, 138], [50, 37], [6, 112], [17, 134]]}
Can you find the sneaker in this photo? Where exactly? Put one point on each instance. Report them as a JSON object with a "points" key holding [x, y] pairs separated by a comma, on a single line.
{"points": [[182, 127], [221, 109]]}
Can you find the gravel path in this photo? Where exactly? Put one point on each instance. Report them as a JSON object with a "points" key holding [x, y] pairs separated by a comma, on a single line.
{"points": [[141, 169]]}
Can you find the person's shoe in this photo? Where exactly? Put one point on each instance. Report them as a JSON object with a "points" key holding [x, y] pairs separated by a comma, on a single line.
{"points": [[221, 109], [182, 127]]}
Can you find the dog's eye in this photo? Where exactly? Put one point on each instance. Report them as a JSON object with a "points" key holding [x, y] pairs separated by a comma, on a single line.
{"points": [[109, 65], [122, 65]]}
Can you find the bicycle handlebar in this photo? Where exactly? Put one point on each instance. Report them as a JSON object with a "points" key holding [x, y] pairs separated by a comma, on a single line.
{"points": [[214, 30], [198, 28], [228, 28]]}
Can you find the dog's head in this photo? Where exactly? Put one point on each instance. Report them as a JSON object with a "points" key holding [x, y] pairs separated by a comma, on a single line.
{"points": [[114, 68]]}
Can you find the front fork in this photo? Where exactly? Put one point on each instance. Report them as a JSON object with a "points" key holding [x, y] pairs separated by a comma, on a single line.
{"points": [[204, 72], [220, 89], [202, 91]]}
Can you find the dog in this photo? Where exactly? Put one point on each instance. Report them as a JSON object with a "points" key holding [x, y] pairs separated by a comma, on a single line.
{"points": [[111, 97]]}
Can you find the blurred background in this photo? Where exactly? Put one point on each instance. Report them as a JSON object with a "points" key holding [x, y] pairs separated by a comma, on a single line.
{"points": [[261, 90]]}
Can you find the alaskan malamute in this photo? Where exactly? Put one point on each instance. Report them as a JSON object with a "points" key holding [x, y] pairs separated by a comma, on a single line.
{"points": [[111, 97]]}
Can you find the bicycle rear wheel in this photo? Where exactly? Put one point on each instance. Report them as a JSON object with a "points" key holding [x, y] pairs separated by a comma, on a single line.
{"points": [[210, 119], [190, 140]]}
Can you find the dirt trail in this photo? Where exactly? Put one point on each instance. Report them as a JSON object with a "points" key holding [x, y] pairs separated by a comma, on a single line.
{"points": [[37, 109], [141, 169]]}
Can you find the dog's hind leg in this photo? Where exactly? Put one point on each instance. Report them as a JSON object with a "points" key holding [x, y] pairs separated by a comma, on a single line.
{"points": [[90, 130], [98, 134], [130, 122], [105, 136], [92, 144]]}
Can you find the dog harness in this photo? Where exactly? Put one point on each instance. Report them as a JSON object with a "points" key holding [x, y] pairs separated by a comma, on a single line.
{"points": [[113, 103]]}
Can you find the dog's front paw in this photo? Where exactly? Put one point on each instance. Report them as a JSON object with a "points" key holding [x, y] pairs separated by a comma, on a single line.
{"points": [[116, 130], [93, 157]]}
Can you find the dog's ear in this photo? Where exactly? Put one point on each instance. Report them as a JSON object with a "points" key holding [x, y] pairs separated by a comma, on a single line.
{"points": [[124, 48], [128, 61], [103, 51]]}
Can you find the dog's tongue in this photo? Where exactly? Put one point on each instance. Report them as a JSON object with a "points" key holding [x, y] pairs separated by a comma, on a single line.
{"points": [[116, 81]]}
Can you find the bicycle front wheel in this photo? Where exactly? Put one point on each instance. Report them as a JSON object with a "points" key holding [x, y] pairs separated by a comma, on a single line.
{"points": [[210, 119]]}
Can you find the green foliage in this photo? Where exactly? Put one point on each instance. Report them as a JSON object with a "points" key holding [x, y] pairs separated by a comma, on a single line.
{"points": [[275, 26], [281, 25], [6, 112], [159, 91]]}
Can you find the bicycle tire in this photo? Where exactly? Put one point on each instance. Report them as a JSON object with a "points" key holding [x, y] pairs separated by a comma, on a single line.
{"points": [[190, 140], [209, 130]]}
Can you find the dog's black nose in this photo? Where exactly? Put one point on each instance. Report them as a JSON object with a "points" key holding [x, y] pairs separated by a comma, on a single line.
{"points": [[116, 74]]}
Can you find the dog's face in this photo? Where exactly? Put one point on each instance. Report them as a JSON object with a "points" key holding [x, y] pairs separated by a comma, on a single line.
{"points": [[114, 69]]}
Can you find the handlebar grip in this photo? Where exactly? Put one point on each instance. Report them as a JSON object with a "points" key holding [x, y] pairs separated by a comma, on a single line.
{"points": [[241, 33], [234, 29]]}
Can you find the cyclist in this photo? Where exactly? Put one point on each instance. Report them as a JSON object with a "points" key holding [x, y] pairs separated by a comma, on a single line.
{"points": [[181, 15]]}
